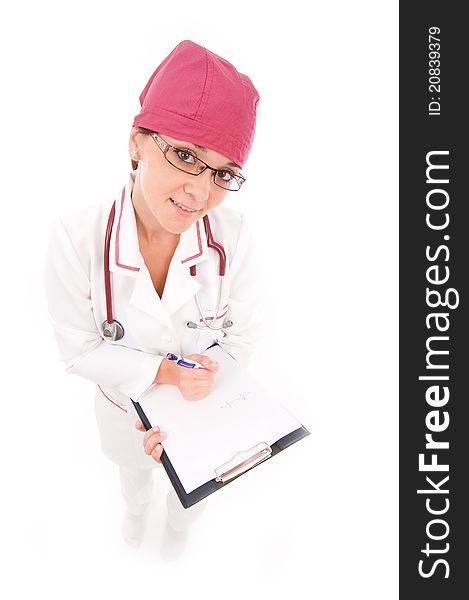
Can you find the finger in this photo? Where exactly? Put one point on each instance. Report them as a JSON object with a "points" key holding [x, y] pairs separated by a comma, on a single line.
{"points": [[206, 361], [139, 426], [150, 437], [209, 364], [199, 384], [199, 374], [150, 432], [157, 452], [153, 441]]}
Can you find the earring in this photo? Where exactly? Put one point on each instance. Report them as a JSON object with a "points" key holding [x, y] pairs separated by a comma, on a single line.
{"points": [[133, 153]]}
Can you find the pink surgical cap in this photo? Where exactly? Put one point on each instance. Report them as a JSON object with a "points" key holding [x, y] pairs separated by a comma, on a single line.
{"points": [[196, 96]]}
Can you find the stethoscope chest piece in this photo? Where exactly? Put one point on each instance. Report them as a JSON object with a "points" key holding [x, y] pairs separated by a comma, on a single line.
{"points": [[113, 331]]}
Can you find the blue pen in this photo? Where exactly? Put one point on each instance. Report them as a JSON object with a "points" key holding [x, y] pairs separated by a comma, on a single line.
{"points": [[183, 362]]}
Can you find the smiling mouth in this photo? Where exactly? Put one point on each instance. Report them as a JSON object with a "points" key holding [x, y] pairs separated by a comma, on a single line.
{"points": [[184, 208]]}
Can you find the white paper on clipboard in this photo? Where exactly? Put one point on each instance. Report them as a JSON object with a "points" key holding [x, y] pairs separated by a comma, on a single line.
{"points": [[237, 415]]}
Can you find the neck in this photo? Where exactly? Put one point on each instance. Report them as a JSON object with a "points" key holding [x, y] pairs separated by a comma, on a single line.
{"points": [[149, 230]]}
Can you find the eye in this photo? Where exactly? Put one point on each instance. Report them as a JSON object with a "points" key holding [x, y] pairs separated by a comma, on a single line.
{"points": [[225, 174], [185, 156]]}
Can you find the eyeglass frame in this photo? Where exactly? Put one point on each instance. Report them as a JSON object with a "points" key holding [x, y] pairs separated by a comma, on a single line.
{"points": [[239, 178]]}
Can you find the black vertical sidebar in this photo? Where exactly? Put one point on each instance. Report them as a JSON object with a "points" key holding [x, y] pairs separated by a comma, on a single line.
{"points": [[434, 256]]}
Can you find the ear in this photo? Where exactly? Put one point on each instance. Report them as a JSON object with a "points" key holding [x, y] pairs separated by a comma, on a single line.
{"points": [[134, 140]]}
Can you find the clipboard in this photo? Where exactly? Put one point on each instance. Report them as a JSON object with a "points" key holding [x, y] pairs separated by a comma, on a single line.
{"points": [[242, 462]]}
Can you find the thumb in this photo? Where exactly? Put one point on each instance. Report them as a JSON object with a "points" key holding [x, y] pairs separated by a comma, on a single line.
{"points": [[208, 363], [139, 426]]}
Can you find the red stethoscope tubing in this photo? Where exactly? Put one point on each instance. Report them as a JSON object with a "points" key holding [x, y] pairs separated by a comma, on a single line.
{"points": [[107, 274]]}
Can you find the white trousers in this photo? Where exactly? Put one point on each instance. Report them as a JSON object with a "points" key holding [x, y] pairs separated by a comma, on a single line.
{"points": [[137, 487]]}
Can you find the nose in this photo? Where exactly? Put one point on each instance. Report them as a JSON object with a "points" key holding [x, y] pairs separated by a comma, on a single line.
{"points": [[200, 186]]}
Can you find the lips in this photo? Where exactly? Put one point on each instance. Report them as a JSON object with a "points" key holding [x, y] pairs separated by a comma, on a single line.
{"points": [[182, 209]]}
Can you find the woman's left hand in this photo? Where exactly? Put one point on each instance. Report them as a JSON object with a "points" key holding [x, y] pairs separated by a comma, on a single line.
{"points": [[151, 441]]}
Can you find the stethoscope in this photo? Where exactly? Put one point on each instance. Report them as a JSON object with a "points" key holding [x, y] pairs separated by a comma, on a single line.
{"points": [[113, 330]]}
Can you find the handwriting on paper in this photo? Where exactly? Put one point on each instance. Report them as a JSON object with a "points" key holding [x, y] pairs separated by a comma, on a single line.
{"points": [[229, 403]]}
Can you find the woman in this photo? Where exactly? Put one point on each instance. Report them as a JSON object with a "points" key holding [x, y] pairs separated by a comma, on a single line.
{"points": [[187, 144]]}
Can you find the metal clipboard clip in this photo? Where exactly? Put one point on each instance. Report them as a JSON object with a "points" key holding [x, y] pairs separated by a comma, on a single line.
{"points": [[252, 457]]}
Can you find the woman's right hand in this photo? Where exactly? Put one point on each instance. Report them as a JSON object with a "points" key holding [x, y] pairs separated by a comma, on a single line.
{"points": [[195, 384]]}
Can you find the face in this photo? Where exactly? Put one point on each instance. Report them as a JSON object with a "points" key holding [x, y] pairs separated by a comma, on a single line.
{"points": [[159, 185]]}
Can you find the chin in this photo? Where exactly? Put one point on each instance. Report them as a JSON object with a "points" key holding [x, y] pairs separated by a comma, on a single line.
{"points": [[178, 228]]}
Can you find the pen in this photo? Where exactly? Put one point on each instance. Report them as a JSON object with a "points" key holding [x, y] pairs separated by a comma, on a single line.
{"points": [[184, 362]]}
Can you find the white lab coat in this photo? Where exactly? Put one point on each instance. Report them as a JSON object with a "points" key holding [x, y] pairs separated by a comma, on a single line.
{"points": [[74, 282]]}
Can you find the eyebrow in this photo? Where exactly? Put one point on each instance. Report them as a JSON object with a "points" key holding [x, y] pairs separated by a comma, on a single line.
{"points": [[229, 163]]}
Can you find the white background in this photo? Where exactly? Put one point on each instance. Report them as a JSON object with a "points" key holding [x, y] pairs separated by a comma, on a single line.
{"points": [[321, 518]]}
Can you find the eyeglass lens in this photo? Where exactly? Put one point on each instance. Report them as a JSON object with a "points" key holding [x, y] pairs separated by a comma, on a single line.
{"points": [[186, 161]]}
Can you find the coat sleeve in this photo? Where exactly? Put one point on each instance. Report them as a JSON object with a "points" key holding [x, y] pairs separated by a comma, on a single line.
{"points": [[81, 345], [244, 299]]}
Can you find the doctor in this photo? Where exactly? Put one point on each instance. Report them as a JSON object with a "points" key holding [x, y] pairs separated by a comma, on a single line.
{"points": [[188, 144]]}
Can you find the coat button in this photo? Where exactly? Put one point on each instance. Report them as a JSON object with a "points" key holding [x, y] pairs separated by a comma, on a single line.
{"points": [[166, 338]]}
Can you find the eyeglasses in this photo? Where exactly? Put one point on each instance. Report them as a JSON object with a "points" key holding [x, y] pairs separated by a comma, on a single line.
{"points": [[184, 160]]}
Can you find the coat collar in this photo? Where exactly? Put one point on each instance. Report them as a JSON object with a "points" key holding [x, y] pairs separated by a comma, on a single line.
{"points": [[124, 253], [125, 259]]}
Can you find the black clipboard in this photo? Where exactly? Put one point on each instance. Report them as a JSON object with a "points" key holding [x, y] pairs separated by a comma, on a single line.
{"points": [[191, 498]]}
